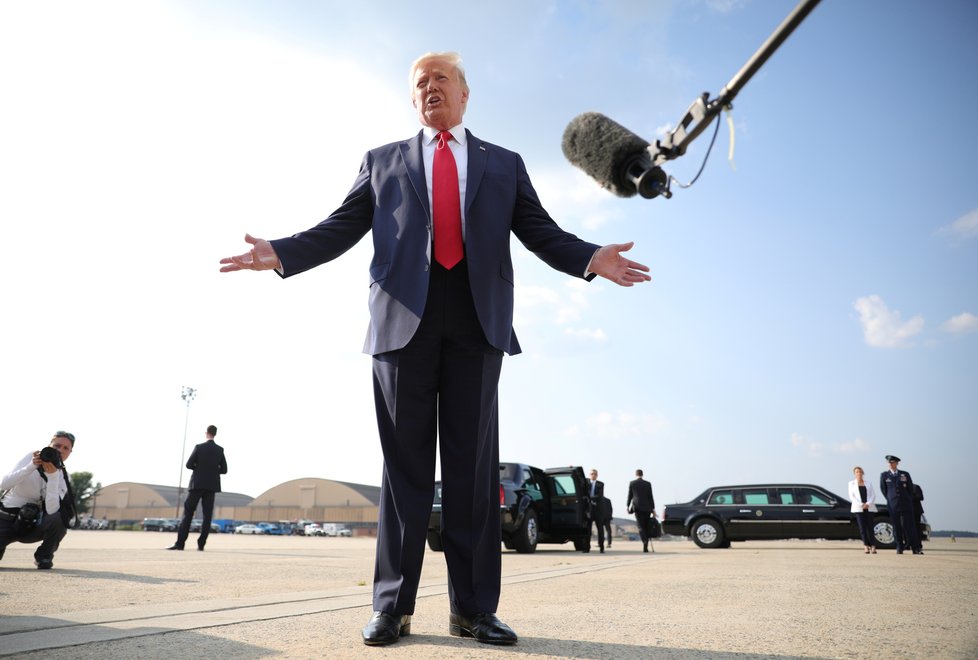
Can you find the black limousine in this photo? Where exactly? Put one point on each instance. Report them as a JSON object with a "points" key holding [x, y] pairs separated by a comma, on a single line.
{"points": [[757, 512]]}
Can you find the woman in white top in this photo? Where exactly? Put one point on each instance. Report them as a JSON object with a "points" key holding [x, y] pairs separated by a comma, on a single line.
{"points": [[863, 499]]}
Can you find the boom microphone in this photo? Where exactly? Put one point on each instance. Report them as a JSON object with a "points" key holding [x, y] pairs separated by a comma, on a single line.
{"points": [[625, 164], [614, 156]]}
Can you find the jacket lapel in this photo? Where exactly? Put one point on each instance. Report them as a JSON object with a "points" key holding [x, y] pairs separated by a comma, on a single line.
{"points": [[414, 163], [478, 155]]}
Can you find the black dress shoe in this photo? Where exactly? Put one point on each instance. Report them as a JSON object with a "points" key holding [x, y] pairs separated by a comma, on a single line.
{"points": [[44, 564], [384, 628], [200, 548], [918, 552], [485, 628], [175, 547]]}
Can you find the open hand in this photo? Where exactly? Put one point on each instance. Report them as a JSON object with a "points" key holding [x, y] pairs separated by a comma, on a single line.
{"points": [[611, 265], [261, 257]]}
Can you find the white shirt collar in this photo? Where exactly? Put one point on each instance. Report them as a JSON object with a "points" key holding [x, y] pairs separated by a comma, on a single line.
{"points": [[431, 134]]}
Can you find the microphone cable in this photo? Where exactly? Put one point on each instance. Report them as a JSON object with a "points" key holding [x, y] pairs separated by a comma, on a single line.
{"points": [[705, 158]]}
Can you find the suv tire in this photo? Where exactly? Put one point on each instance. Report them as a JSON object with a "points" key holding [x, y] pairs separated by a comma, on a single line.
{"points": [[525, 540], [434, 542]]}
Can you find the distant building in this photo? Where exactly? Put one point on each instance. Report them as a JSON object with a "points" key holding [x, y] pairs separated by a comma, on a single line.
{"points": [[321, 500]]}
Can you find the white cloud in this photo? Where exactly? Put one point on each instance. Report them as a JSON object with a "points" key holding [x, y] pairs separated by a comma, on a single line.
{"points": [[884, 328], [810, 447], [964, 227], [535, 304], [622, 425], [814, 448], [579, 200], [593, 334], [857, 446], [725, 6], [961, 324]]}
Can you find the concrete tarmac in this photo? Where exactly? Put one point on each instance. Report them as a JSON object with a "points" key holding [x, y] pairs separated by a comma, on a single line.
{"points": [[122, 595]]}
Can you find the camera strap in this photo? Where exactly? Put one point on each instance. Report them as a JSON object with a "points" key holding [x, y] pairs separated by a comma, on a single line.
{"points": [[69, 513], [44, 489]]}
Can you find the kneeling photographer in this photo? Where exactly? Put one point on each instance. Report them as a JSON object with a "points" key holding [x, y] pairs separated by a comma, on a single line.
{"points": [[37, 503]]}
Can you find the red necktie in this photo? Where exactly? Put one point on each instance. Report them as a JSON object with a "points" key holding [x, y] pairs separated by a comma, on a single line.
{"points": [[447, 206]]}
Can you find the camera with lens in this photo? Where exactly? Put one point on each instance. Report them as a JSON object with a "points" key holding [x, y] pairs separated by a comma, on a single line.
{"points": [[51, 455]]}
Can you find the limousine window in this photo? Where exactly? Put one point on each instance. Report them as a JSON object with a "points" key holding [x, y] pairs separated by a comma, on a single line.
{"points": [[807, 496], [721, 497], [786, 495], [755, 497]]}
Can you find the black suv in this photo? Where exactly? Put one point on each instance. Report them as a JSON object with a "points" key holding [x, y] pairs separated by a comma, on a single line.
{"points": [[772, 511], [536, 506], [160, 524]]}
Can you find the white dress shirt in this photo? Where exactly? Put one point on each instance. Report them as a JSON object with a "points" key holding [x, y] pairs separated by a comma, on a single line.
{"points": [[25, 484]]}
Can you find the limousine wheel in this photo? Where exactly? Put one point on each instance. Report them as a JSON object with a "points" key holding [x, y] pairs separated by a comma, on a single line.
{"points": [[883, 533], [707, 533]]}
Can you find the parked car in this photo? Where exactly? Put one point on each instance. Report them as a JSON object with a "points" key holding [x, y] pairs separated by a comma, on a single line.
{"points": [[248, 528], [197, 523], [313, 529], [723, 514], [334, 529], [536, 506], [159, 525], [271, 528]]}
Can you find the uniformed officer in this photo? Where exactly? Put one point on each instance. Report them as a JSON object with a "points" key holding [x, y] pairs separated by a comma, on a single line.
{"points": [[897, 487]]}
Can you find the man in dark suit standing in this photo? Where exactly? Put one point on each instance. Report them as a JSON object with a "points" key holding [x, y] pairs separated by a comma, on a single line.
{"points": [[640, 501], [607, 511], [897, 487], [208, 464], [596, 493], [441, 208]]}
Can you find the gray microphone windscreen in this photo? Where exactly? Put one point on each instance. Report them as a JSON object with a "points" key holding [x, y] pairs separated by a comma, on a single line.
{"points": [[604, 149]]}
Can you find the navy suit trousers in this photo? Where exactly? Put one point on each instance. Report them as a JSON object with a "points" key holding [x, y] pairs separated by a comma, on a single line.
{"points": [[440, 391]]}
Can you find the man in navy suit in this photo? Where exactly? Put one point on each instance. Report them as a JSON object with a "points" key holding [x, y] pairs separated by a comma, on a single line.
{"points": [[437, 335], [897, 487], [208, 464]]}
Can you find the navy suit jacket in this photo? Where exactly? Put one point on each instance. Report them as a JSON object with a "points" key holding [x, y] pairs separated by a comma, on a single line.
{"points": [[390, 199], [208, 464]]}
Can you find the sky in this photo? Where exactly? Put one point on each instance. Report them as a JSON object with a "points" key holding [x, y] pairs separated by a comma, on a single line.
{"points": [[813, 303]]}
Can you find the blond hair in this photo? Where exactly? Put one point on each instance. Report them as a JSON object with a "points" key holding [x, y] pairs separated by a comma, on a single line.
{"points": [[453, 58]]}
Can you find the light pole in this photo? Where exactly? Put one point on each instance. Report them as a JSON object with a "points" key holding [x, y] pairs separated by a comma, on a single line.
{"points": [[187, 395]]}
